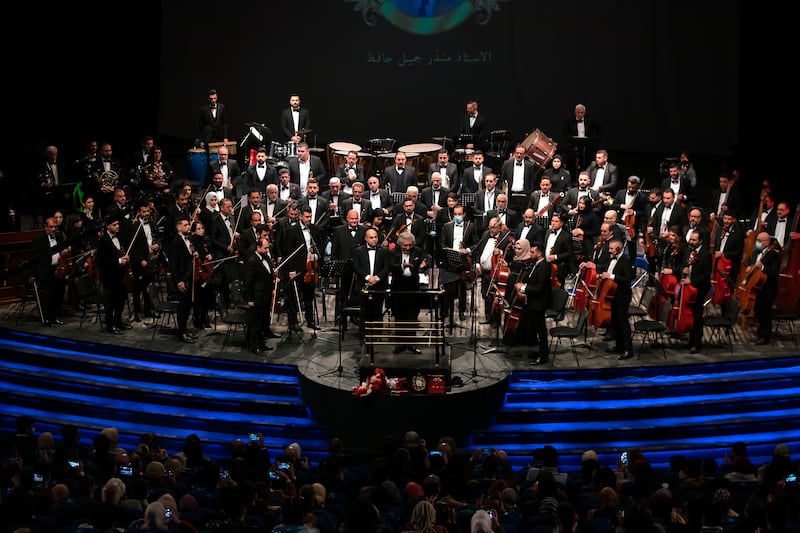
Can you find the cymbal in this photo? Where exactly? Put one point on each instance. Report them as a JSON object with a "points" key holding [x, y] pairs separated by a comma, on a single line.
{"points": [[442, 139], [304, 131]]}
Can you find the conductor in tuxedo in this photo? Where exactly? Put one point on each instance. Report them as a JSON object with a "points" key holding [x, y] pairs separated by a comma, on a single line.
{"points": [[212, 121], [537, 287], [619, 269], [407, 261], [371, 264], [580, 136], [295, 119], [259, 282]]}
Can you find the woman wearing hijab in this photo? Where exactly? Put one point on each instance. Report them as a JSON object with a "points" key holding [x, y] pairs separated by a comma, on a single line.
{"points": [[559, 176], [210, 210]]}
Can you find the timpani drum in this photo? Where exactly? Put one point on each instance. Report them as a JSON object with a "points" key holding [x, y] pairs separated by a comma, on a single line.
{"points": [[539, 147], [427, 155], [339, 146], [365, 159]]}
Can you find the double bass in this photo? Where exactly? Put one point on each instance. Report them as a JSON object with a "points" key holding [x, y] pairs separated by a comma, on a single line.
{"points": [[518, 302], [720, 275], [747, 289], [789, 275], [586, 283]]}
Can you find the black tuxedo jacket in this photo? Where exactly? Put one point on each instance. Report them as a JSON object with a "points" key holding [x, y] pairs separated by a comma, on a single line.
{"points": [[343, 173], [287, 122], [399, 281], [610, 178], [467, 181], [734, 245], [533, 202], [470, 236], [512, 218], [623, 275], [42, 254], [684, 187], [317, 169], [233, 169], [426, 196], [347, 205], [344, 244], [243, 216], [535, 233], [111, 271], [479, 130], [734, 201], [539, 286], [339, 201], [383, 264], [531, 182], [678, 218], [252, 181], [451, 170], [212, 129], [258, 281], [571, 199], [400, 182], [181, 263], [292, 240]]}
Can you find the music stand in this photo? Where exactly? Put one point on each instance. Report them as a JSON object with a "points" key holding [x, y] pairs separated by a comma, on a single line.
{"points": [[455, 262]]}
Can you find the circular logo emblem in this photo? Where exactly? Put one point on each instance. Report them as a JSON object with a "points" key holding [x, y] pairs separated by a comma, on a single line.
{"points": [[418, 383]]}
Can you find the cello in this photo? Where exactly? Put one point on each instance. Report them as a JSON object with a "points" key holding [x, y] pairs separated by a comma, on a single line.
{"points": [[600, 305], [750, 240], [747, 289], [586, 284], [789, 274], [720, 278], [681, 318], [518, 303]]}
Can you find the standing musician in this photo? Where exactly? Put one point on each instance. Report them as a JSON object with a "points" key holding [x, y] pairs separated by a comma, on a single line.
{"points": [[358, 203], [672, 262], [248, 237], [667, 214], [582, 189], [224, 246], [204, 289], [261, 174], [399, 177], [619, 270], [471, 179], [512, 301], [112, 260], [259, 284], [228, 169], [558, 249], [631, 206], [156, 176], [209, 211], [485, 201], [50, 287], [586, 229], [301, 273], [407, 220], [510, 218], [378, 197], [319, 206], [273, 207], [145, 256], [493, 246], [407, 262], [344, 241], [350, 172], [769, 215], [371, 264], [728, 243], [181, 266], [726, 196], [536, 285], [254, 205], [518, 178], [681, 186], [458, 234], [334, 197], [697, 272], [766, 257], [544, 201], [529, 229], [177, 210]]}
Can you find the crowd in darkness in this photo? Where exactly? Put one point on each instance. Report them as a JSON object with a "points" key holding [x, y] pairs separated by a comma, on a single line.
{"points": [[65, 485]]}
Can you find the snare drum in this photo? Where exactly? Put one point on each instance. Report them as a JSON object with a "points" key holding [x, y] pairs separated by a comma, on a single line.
{"points": [[463, 154], [277, 151], [539, 147], [291, 149]]}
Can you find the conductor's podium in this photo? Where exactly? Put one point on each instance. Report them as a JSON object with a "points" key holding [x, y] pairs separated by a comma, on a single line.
{"points": [[425, 373]]}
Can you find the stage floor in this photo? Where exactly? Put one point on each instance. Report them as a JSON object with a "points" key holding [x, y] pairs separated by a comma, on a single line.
{"points": [[472, 365]]}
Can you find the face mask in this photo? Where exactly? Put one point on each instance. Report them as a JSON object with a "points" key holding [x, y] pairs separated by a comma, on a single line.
{"points": [[759, 246], [458, 219]]}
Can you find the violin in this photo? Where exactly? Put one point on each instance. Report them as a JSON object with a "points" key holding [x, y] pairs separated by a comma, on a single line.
{"points": [[203, 270], [312, 272], [64, 267]]}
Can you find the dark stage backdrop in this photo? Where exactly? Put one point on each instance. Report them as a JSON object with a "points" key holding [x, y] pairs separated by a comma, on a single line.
{"points": [[658, 76]]}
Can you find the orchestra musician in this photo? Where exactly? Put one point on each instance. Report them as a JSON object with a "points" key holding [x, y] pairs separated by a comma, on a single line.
{"points": [[319, 206], [407, 220], [112, 260], [586, 229], [582, 189], [681, 186], [181, 267], [536, 285], [378, 197], [434, 197], [335, 197], [544, 201], [156, 175], [631, 206], [728, 243], [224, 246], [667, 214], [558, 248], [619, 269], [485, 201], [517, 269], [768, 216], [371, 264], [227, 168], [257, 292], [50, 287], [508, 217], [697, 272], [399, 176], [209, 211], [248, 237], [350, 172], [145, 258], [783, 230], [254, 205], [407, 262], [529, 229], [261, 174], [471, 179], [274, 206], [494, 245], [344, 241], [204, 289], [461, 235], [766, 257], [301, 250], [672, 262]]}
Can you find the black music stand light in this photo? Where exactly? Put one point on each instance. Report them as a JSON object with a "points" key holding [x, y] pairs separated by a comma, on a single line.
{"points": [[335, 267]]}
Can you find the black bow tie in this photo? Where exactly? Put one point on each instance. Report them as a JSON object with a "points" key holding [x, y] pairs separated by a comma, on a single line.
{"points": [[400, 169], [371, 249], [285, 188], [477, 168], [459, 225], [600, 167], [502, 211], [519, 163], [781, 220], [261, 165], [106, 160], [442, 166], [582, 190]]}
